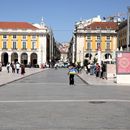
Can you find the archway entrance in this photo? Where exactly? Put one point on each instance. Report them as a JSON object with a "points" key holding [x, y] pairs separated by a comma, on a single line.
{"points": [[14, 57], [24, 58], [88, 55], [4, 58], [108, 56], [33, 59]]}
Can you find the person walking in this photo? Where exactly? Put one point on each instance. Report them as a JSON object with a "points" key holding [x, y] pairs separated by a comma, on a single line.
{"points": [[71, 73], [97, 69], [17, 67], [13, 67], [22, 69], [8, 67], [0, 66]]}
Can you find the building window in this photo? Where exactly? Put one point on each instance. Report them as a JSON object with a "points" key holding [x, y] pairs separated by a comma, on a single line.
{"points": [[4, 45], [14, 45], [98, 45], [4, 36], [24, 45], [24, 36], [98, 37], [33, 45], [108, 45], [108, 37], [88, 37], [88, 45], [14, 36], [34, 37]]}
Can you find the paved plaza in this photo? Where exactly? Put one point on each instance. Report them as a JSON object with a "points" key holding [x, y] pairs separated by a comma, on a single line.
{"points": [[44, 100]]}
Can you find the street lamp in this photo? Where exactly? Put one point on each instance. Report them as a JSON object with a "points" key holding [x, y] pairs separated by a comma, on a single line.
{"points": [[99, 48]]}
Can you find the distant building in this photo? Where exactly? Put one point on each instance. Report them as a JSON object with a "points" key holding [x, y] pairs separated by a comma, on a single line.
{"points": [[64, 51], [89, 37], [122, 35], [24, 42]]}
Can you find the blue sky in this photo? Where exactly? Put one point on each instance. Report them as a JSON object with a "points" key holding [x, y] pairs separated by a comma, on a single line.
{"points": [[60, 15]]}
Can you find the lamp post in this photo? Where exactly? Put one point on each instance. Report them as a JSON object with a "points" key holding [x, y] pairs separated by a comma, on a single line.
{"points": [[99, 49], [128, 29]]}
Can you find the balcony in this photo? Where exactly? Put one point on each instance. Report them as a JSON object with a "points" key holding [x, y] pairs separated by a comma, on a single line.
{"points": [[89, 40], [23, 49], [89, 49], [108, 40], [14, 48], [33, 49], [98, 40], [5, 49], [107, 50]]}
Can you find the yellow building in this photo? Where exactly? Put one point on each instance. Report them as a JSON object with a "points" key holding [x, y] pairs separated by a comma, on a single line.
{"points": [[93, 36], [22, 42], [122, 35]]}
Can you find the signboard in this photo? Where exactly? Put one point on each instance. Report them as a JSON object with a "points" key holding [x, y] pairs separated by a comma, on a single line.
{"points": [[123, 63]]}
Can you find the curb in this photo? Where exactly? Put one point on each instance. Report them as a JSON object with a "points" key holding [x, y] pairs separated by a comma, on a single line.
{"points": [[20, 78], [83, 80]]}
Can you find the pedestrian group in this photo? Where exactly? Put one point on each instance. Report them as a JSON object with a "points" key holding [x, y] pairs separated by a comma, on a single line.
{"points": [[15, 67]]}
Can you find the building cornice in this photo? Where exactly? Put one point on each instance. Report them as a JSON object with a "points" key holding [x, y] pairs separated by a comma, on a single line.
{"points": [[19, 31], [107, 31]]}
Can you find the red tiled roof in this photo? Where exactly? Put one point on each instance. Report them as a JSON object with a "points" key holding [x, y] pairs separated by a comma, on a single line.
{"points": [[17, 25], [103, 25]]}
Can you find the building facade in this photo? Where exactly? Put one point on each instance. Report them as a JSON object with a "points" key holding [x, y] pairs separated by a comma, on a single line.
{"points": [[122, 36], [23, 42], [63, 47], [89, 37]]}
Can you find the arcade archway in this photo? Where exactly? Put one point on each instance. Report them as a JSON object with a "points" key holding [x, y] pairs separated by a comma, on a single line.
{"points": [[108, 56], [88, 55], [24, 58], [4, 58], [33, 59], [14, 57]]}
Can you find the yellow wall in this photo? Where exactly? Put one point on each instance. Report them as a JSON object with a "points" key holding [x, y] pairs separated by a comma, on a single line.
{"points": [[9, 43], [111, 43], [103, 44], [19, 41], [93, 42], [28, 43]]}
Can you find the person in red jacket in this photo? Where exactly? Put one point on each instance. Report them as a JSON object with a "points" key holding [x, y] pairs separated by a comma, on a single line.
{"points": [[97, 70]]}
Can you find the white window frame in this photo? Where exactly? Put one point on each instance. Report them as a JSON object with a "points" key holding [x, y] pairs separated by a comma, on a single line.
{"points": [[15, 45], [24, 37], [5, 36], [109, 45], [34, 37], [88, 45], [99, 44], [88, 37], [4, 44], [15, 36], [24, 43], [98, 37], [33, 45]]}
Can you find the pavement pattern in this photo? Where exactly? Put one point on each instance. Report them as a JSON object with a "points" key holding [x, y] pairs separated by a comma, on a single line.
{"points": [[46, 101]]}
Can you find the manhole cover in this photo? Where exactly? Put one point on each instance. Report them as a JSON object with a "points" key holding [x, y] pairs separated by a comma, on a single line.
{"points": [[97, 102]]}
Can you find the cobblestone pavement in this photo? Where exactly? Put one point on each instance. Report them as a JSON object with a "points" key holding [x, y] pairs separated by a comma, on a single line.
{"points": [[6, 77]]}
